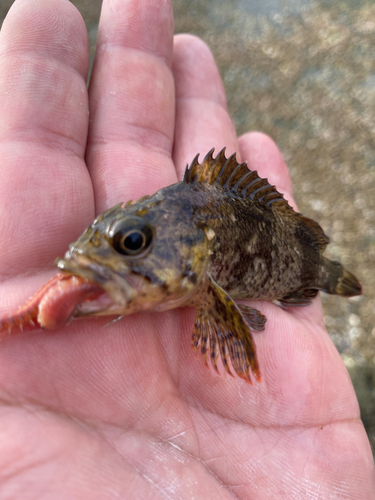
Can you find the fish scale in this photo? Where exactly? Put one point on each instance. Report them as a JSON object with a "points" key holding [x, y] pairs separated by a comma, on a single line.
{"points": [[222, 233]]}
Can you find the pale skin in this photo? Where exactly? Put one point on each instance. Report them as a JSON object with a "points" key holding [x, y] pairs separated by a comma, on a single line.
{"points": [[127, 411]]}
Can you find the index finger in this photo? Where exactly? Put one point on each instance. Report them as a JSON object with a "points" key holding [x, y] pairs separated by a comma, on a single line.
{"points": [[132, 102]]}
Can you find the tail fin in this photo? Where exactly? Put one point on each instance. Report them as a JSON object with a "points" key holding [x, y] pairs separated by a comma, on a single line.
{"points": [[339, 281]]}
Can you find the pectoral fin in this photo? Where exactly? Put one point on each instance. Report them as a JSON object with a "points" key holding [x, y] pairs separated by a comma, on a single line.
{"points": [[221, 328]]}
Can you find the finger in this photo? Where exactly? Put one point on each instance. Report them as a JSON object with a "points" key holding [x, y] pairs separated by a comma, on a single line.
{"points": [[43, 125], [262, 154], [132, 102], [202, 119]]}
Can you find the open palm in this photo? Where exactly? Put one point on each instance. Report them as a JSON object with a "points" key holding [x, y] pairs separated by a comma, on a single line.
{"points": [[125, 411]]}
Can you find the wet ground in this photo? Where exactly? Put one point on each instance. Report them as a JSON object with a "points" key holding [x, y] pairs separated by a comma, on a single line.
{"points": [[304, 72]]}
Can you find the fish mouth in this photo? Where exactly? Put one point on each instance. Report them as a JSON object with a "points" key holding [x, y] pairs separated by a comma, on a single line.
{"points": [[119, 290], [102, 305]]}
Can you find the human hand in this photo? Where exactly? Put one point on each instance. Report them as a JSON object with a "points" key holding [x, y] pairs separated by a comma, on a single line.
{"points": [[126, 411]]}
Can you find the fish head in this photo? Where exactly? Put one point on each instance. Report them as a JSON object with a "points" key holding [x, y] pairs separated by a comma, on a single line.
{"points": [[145, 256]]}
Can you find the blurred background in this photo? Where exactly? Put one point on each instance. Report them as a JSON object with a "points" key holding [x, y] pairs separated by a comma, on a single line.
{"points": [[304, 72]]}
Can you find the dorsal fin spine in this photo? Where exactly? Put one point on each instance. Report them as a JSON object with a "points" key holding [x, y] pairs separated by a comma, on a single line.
{"points": [[233, 174], [261, 188], [220, 174], [273, 200], [216, 170], [226, 165], [206, 173], [250, 186], [209, 156], [237, 185], [193, 168], [250, 180], [228, 170]]}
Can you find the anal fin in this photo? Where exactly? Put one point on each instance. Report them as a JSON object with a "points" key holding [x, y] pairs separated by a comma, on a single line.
{"points": [[301, 298], [253, 317]]}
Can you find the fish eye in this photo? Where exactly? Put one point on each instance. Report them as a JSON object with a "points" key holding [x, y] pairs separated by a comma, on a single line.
{"points": [[131, 236]]}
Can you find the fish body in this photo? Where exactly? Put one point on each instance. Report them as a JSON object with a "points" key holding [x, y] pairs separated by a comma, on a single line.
{"points": [[220, 234]]}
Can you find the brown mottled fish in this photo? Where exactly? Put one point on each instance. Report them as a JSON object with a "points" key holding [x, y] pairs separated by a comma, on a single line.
{"points": [[220, 234]]}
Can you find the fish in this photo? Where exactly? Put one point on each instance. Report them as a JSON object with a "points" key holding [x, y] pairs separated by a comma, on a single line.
{"points": [[220, 235]]}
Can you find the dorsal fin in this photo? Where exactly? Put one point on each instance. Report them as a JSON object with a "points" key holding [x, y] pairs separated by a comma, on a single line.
{"points": [[230, 175]]}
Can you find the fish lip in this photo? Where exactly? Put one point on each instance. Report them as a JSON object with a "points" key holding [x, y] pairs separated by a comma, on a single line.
{"points": [[86, 270], [119, 287]]}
